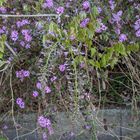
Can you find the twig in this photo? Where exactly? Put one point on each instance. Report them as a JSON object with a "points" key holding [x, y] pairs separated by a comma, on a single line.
{"points": [[10, 48], [12, 96]]}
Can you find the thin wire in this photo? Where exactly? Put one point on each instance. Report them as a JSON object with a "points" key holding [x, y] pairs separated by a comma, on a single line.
{"points": [[38, 15]]}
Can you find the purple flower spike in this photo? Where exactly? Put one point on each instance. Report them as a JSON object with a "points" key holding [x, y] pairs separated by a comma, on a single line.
{"points": [[86, 5], [84, 23]]}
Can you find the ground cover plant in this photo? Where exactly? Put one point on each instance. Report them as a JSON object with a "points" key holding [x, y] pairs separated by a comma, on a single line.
{"points": [[68, 55]]}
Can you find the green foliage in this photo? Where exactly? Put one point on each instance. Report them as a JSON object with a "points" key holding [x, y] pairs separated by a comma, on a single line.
{"points": [[86, 36], [2, 46], [1, 2]]}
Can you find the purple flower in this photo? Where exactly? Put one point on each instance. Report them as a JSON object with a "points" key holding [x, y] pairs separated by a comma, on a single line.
{"points": [[25, 22], [112, 4], [138, 33], [22, 74], [44, 122], [26, 73], [44, 135], [47, 89], [117, 31], [14, 35], [3, 10], [48, 4], [19, 101], [19, 24], [122, 38], [22, 23], [62, 67], [99, 9], [22, 43], [22, 105], [137, 24], [50, 129], [60, 10], [35, 93], [1, 31], [103, 27], [38, 85], [117, 17], [53, 78], [86, 5], [25, 31], [27, 37], [27, 46], [84, 23]]}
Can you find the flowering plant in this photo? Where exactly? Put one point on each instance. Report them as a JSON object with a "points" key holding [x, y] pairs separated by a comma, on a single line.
{"points": [[62, 58]]}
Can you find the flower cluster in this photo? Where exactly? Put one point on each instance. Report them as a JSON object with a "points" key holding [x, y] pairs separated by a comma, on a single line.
{"points": [[22, 74], [14, 35], [48, 4], [3, 10], [112, 4], [117, 16], [45, 123], [101, 27], [3, 30], [22, 23], [47, 88], [20, 103]]}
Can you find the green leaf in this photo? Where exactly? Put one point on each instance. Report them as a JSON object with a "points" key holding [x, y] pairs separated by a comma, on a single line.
{"points": [[51, 27], [103, 61], [93, 51], [1, 2], [113, 62], [120, 49], [94, 11]]}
